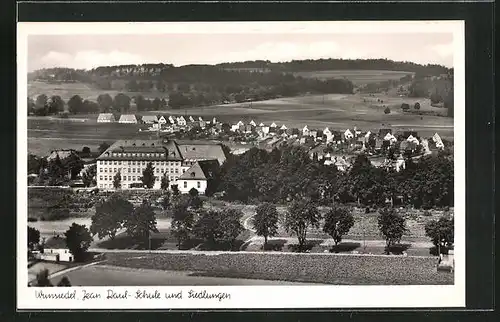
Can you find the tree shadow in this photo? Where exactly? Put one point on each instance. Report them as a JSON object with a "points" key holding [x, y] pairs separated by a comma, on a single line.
{"points": [[397, 249], [344, 247], [434, 251], [309, 245], [220, 246], [274, 245]]}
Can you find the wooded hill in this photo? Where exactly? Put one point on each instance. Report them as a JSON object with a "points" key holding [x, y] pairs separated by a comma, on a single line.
{"points": [[198, 85]]}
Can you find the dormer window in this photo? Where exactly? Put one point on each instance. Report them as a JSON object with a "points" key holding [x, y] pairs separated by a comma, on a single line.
{"points": [[192, 174]]}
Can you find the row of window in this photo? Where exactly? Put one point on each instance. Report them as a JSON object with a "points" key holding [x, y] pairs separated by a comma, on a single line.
{"points": [[110, 185], [154, 163], [139, 170], [135, 178], [198, 184]]}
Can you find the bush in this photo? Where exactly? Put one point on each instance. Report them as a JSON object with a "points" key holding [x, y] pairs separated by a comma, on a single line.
{"points": [[32, 219], [427, 213], [387, 110], [416, 106]]}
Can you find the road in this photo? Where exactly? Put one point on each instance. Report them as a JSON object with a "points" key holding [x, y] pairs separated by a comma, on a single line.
{"points": [[105, 275]]}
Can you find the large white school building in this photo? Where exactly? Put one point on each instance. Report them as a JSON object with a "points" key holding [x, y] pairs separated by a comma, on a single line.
{"points": [[130, 158]]}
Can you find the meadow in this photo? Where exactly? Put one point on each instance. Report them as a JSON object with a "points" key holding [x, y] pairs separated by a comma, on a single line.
{"points": [[337, 112], [358, 77]]}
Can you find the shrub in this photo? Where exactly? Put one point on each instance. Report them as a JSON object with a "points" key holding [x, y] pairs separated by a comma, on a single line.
{"points": [[32, 219], [387, 110]]}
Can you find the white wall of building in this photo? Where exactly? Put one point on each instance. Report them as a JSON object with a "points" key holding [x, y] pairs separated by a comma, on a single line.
{"points": [[186, 185], [51, 253], [131, 172]]}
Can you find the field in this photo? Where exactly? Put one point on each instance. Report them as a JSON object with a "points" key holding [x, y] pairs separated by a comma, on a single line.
{"points": [[317, 268], [338, 112], [358, 77]]}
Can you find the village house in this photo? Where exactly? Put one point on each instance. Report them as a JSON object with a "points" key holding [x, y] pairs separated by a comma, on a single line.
{"points": [[181, 121], [305, 131], [341, 163], [149, 119], [262, 124], [162, 120], [55, 250], [437, 140], [198, 176], [252, 123], [171, 119], [214, 121], [191, 119], [106, 118], [348, 135], [128, 119], [328, 134]]}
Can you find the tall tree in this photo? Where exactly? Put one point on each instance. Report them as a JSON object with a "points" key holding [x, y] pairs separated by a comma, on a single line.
{"points": [[117, 180], [42, 278], [148, 176], [56, 104], [141, 222], [105, 102], [78, 240], [33, 237], [164, 182], [75, 104], [338, 222], [121, 102], [301, 215], [265, 221], [89, 176], [441, 232], [392, 226], [110, 215], [182, 222]]}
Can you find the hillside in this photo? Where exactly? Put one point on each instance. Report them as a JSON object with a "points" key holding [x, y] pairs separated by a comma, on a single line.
{"points": [[204, 85]]}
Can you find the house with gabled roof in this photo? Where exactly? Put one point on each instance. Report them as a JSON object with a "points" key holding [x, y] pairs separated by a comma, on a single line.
{"points": [[171, 119], [199, 176], [106, 118], [162, 119], [262, 124], [214, 121], [252, 123], [305, 131], [348, 134], [149, 119], [191, 119], [240, 123], [273, 125], [181, 121], [128, 119]]}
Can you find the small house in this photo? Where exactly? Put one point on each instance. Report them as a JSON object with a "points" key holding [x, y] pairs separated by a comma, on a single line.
{"points": [[348, 134], [273, 125], [240, 123], [127, 119], [56, 250], [252, 123], [106, 118], [262, 124], [305, 131], [181, 121], [162, 120], [149, 119], [191, 119], [199, 176]]}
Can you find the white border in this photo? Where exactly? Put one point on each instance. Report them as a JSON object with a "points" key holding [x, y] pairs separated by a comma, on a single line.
{"points": [[257, 296]]}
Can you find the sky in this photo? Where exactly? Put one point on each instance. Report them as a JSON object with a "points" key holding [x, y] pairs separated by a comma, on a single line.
{"points": [[90, 51]]}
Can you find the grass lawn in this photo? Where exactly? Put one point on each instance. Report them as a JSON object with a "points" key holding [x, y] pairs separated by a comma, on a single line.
{"points": [[330, 269]]}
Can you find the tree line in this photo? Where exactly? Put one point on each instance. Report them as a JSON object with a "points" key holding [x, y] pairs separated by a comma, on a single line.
{"points": [[290, 173], [303, 214]]}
